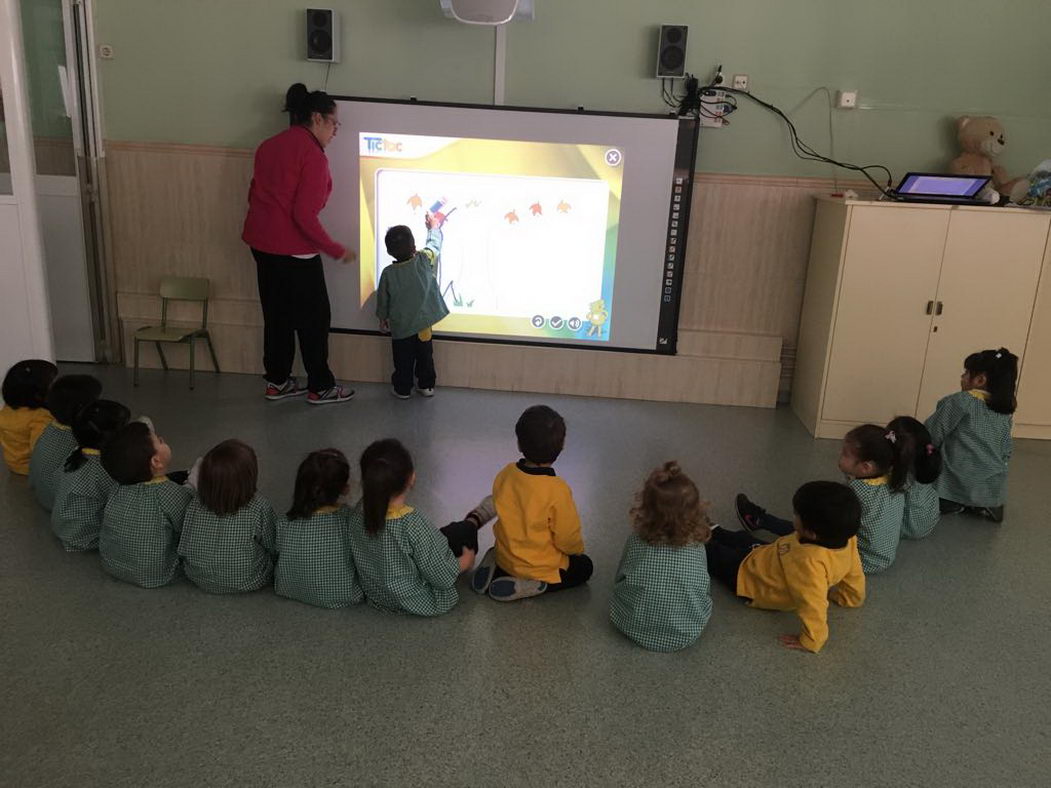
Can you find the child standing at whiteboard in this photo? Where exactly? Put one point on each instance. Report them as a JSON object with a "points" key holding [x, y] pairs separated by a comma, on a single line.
{"points": [[972, 428], [408, 303]]}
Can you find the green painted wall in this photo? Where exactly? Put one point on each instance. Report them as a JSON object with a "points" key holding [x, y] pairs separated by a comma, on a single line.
{"points": [[214, 71]]}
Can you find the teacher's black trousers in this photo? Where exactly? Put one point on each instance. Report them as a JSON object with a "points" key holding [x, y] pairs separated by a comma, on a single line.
{"points": [[295, 303]]}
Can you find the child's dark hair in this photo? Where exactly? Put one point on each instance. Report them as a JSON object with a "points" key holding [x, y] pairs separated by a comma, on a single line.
{"points": [[541, 434], [321, 479], [669, 510], [876, 444], [228, 477], [386, 470], [127, 454], [831, 510], [1000, 368], [301, 104], [27, 382], [69, 393], [401, 245], [93, 426], [916, 451]]}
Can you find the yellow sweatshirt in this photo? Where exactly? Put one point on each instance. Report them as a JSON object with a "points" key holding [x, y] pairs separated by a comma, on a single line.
{"points": [[802, 576], [538, 526], [19, 430]]}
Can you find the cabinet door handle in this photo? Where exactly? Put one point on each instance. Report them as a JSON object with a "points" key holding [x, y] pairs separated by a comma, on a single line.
{"points": [[930, 307], [938, 309]]}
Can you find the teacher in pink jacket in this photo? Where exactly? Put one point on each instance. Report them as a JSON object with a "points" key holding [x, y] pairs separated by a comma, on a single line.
{"points": [[290, 186]]}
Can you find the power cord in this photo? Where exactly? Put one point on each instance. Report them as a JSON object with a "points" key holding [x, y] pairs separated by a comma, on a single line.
{"points": [[699, 102]]}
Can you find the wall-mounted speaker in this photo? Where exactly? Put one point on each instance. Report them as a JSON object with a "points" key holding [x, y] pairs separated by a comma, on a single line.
{"points": [[671, 52], [323, 35]]}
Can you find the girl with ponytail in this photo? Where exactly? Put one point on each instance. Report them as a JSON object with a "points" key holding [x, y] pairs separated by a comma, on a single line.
{"points": [[314, 565], [972, 428], [405, 564], [923, 461], [871, 459], [661, 589], [83, 486]]}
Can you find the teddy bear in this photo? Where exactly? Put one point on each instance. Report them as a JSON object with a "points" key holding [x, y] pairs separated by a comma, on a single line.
{"points": [[982, 139]]}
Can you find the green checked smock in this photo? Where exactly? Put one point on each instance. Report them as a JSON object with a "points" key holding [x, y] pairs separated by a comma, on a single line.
{"points": [[80, 499], [52, 449], [921, 510], [313, 560], [661, 594], [140, 531], [407, 567], [975, 442], [230, 554], [882, 514]]}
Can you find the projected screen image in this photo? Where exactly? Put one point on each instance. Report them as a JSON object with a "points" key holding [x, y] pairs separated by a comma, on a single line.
{"points": [[529, 229], [558, 228]]}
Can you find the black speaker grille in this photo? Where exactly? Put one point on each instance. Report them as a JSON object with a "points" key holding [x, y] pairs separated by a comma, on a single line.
{"points": [[672, 58], [320, 43]]}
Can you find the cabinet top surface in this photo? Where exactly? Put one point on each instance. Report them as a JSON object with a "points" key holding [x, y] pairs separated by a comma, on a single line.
{"points": [[891, 205]]}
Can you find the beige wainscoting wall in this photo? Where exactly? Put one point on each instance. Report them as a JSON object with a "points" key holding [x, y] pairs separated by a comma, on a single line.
{"points": [[178, 209]]}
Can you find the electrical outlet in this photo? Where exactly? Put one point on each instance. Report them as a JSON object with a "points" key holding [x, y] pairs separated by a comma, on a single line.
{"points": [[847, 99], [740, 82], [106, 52]]}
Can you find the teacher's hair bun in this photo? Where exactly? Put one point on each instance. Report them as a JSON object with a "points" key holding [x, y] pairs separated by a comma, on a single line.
{"points": [[297, 98]]}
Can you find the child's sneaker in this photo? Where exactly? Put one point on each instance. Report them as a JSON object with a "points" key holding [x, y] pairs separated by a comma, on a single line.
{"points": [[945, 506], [508, 589], [399, 395], [483, 512], [748, 513], [287, 389], [483, 575], [425, 392], [994, 513], [330, 396]]}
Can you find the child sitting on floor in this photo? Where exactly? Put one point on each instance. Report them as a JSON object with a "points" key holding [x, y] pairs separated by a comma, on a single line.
{"points": [[539, 547], [229, 530], [314, 564], [818, 561], [924, 462], [143, 517], [83, 487], [67, 396], [24, 415], [405, 564], [660, 593], [973, 430], [870, 458]]}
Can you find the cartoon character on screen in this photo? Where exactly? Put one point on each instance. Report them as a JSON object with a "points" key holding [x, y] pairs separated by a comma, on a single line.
{"points": [[597, 315]]}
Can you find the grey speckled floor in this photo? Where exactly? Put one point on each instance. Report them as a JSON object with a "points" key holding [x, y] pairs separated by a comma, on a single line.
{"points": [[941, 679]]}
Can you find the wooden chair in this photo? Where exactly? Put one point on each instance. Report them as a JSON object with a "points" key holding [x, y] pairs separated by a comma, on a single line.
{"points": [[177, 288]]}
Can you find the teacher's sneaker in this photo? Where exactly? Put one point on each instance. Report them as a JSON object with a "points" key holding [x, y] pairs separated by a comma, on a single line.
{"points": [[330, 396], [426, 392], [287, 389]]}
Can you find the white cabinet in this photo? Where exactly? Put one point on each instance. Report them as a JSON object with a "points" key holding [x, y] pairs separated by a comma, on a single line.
{"points": [[898, 295]]}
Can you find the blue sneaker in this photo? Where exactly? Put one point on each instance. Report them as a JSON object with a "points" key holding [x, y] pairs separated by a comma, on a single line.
{"points": [[508, 589], [483, 575]]}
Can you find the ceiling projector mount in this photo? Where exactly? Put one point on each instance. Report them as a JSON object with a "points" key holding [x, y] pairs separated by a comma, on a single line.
{"points": [[487, 12]]}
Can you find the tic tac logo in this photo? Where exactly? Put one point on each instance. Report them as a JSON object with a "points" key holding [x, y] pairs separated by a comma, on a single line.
{"points": [[381, 145]]}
